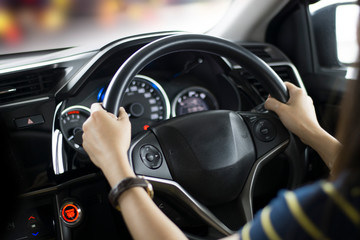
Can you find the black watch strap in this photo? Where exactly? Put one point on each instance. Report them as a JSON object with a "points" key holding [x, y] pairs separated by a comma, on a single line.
{"points": [[126, 184]]}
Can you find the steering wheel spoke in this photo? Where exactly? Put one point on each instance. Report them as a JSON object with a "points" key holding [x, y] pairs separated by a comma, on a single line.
{"points": [[178, 192], [246, 194]]}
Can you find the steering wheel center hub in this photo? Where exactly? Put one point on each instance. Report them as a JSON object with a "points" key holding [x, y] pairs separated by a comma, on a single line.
{"points": [[216, 153]]}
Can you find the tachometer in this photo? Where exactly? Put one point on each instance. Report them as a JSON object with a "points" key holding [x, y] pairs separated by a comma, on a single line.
{"points": [[146, 103], [71, 121], [193, 99]]}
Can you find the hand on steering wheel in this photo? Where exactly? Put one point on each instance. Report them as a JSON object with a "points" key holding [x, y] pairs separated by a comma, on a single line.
{"points": [[106, 139]]}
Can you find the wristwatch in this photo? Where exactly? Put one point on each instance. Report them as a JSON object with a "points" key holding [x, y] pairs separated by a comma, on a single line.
{"points": [[126, 184]]}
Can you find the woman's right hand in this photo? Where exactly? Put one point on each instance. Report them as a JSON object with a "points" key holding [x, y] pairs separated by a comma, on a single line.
{"points": [[298, 114]]}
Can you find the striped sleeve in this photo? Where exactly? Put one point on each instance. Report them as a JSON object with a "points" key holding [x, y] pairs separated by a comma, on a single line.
{"points": [[317, 211]]}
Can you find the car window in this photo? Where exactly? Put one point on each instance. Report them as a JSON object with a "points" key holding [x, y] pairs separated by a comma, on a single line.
{"points": [[49, 24]]}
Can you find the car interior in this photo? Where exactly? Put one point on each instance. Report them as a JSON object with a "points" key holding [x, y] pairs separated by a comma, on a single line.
{"points": [[200, 132]]}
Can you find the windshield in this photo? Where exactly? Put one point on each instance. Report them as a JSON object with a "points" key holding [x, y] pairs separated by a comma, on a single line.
{"points": [[32, 25]]}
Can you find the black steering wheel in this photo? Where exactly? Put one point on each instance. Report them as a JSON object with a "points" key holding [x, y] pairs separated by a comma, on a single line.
{"points": [[209, 158]]}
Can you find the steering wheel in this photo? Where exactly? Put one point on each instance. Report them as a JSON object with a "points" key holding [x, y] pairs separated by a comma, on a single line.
{"points": [[209, 158]]}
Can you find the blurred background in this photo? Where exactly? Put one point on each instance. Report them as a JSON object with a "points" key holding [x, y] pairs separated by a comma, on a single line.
{"points": [[30, 25]]}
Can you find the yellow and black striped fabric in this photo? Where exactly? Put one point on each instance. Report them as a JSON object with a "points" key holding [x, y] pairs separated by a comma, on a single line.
{"points": [[322, 210]]}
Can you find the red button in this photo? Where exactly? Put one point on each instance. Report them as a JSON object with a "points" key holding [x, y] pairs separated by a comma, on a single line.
{"points": [[71, 213]]}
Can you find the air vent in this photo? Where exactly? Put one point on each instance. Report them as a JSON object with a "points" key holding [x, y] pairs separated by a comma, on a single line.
{"points": [[26, 85], [285, 72], [260, 51]]}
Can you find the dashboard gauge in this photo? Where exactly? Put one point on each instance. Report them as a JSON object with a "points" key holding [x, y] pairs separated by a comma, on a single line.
{"points": [[71, 122], [193, 99], [146, 103]]}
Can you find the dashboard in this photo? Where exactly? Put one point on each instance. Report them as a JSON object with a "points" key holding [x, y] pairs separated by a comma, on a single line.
{"points": [[47, 100]]}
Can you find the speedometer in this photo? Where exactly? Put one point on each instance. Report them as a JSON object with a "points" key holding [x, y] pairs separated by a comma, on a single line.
{"points": [[193, 99], [146, 103]]}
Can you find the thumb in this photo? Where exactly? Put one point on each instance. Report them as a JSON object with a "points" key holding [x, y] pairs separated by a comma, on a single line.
{"points": [[122, 113], [273, 104]]}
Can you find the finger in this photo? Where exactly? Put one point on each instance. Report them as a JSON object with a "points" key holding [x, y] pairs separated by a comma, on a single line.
{"points": [[97, 111], [122, 113], [290, 85], [272, 104], [293, 89], [96, 107]]}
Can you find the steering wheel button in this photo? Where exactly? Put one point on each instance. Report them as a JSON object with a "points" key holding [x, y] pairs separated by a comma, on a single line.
{"points": [[150, 156], [252, 119], [264, 130]]}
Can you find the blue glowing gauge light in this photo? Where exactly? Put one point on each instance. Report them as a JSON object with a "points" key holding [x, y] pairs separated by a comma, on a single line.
{"points": [[145, 101], [101, 95]]}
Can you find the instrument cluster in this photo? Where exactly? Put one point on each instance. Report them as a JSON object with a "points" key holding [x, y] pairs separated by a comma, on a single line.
{"points": [[146, 103]]}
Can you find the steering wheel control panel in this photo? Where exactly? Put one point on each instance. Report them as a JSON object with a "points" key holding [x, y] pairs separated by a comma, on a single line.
{"points": [[151, 156], [268, 131]]}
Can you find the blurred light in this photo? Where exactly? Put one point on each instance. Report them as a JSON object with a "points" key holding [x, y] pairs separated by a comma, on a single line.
{"points": [[55, 14], [13, 36], [135, 11], [62, 4], [53, 19], [108, 11], [32, 25], [5, 21], [9, 31]]}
